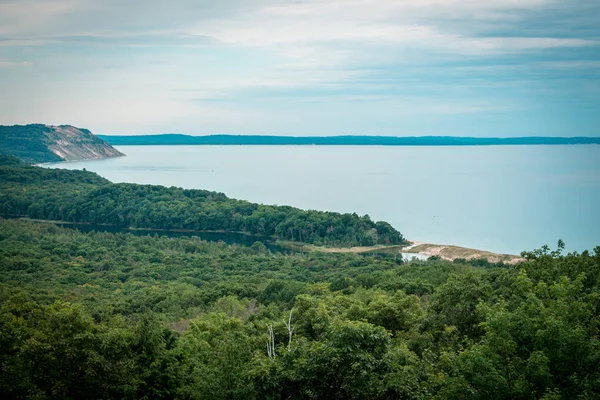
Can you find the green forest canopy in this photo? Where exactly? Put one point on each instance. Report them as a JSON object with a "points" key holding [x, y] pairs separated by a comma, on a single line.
{"points": [[38, 143], [103, 315], [81, 196], [27, 142]]}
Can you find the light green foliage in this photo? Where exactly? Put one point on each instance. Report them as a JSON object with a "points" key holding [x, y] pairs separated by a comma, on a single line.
{"points": [[218, 352]]}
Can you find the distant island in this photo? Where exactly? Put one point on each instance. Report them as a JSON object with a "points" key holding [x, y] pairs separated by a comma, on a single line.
{"points": [[178, 139], [38, 143]]}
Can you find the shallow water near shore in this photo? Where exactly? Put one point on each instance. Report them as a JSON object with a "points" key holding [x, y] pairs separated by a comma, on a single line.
{"points": [[503, 199]]}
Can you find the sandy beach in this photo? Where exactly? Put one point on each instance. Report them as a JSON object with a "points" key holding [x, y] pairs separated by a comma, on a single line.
{"points": [[445, 252], [450, 253]]}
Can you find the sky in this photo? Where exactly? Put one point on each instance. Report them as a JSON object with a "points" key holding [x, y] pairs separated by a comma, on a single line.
{"points": [[354, 67]]}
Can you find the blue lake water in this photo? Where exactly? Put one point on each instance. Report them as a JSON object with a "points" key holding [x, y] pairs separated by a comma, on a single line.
{"points": [[499, 198]]}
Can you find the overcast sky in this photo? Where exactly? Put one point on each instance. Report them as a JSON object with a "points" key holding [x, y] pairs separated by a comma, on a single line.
{"points": [[385, 67]]}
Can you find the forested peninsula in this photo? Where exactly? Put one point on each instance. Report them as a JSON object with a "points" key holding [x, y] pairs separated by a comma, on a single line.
{"points": [[38, 143], [178, 139], [85, 197]]}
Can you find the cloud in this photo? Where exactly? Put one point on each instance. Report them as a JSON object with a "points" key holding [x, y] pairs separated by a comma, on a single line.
{"points": [[272, 22], [43, 18], [234, 61], [393, 23], [140, 39], [14, 64], [8, 42]]}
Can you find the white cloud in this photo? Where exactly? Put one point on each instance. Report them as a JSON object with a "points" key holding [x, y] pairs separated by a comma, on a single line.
{"points": [[329, 37], [397, 23]]}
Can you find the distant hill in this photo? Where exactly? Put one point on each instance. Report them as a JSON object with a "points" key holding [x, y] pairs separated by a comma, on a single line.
{"points": [[38, 143], [176, 139]]}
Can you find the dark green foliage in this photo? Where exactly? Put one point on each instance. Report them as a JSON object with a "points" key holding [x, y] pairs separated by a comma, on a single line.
{"points": [[9, 160], [57, 351], [84, 197], [110, 315], [27, 142], [102, 315], [37, 143]]}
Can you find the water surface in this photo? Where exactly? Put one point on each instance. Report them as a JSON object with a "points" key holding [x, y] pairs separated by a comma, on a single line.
{"points": [[497, 198]]}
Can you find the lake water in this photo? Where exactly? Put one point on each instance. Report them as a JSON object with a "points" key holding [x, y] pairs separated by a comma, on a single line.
{"points": [[498, 198]]}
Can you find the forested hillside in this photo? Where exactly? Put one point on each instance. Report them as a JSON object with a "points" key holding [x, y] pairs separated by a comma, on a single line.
{"points": [[81, 196], [38, 143], [101, 315]]}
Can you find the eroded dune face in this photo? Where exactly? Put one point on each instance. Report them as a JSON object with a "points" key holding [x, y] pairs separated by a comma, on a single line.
{"points": [[39, 143], [72, 144]]}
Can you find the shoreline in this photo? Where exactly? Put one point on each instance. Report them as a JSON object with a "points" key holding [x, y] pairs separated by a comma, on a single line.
{"points": [[46, 164], [445, 252], [451, 252]]}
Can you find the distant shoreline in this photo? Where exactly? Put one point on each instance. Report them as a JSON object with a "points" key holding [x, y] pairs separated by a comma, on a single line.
{"points": [[445, 252], [261, 140], [450, 253]]}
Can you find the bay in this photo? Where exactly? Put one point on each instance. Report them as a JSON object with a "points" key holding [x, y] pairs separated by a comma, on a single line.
{"points": [[498, 198]]}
